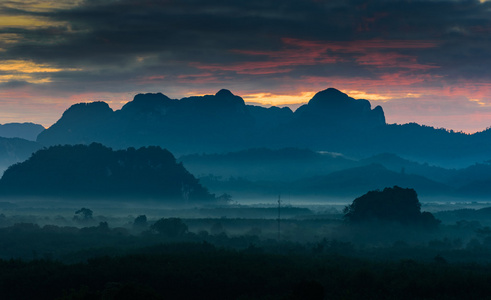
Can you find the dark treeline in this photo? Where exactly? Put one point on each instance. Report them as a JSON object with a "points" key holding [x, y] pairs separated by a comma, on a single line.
{"points": [[373, 251], [464, 241], [204, 271], [317, 256]]}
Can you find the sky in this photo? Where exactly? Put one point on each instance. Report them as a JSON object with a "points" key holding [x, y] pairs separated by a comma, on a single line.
{"points": [[423, 61]]}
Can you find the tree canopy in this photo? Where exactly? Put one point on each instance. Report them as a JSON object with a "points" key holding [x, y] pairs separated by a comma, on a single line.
{"points": [[98, 171], [392, 204]]}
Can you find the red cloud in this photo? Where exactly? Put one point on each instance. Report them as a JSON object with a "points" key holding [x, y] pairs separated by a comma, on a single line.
{"points": [[392, 60], [297, 52], [362, 45]]}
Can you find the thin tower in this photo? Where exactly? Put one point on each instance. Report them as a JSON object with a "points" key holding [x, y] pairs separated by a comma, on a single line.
{"points": [[279, 215]]}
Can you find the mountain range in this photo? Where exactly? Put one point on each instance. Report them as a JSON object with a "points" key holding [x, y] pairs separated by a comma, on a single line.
{"points": [[302, 172], [331, 121], [333, 145]]}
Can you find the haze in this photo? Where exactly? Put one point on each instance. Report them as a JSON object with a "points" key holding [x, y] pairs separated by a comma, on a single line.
{"points": [[296, 149]]}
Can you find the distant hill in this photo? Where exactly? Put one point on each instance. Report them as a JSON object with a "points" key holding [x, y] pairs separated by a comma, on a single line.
{"points": [[96, 171], [266, 172], [14, 150], [348, 182], [331, 121], [266, 164], [401, 165], [356, 181], [27, 131]]}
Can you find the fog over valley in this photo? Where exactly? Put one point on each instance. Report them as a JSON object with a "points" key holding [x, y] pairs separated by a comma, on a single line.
{"points": [[266, 150]]}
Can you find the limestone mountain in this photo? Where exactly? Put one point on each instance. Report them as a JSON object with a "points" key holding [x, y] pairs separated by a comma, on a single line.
{"points": [[207, 123], [331, 121], [333, 108]]}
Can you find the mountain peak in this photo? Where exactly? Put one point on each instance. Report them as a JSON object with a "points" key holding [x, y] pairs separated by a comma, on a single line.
{"points": [[82, 110], [330, 97], [332, 92], [224, 93], [332, 106], [151, 97]]}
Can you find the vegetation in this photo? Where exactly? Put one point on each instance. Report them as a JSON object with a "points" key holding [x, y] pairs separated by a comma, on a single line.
{"points": [[317, 257], [98, 171], [392, 204], [171, 227], [190, 268], [203, 271]]}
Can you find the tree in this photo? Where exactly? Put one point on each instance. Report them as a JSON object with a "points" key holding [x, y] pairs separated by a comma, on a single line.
{"points": [[140, 222], [171, 227], [392, 204], [224, 199], [85, 213]]}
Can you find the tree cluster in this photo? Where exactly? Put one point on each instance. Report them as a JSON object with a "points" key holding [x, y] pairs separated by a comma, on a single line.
{"points": [[395, 204]]}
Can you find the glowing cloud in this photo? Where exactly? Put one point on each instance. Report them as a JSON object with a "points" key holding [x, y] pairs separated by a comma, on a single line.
{"points": [[28, 71], [364, 95], [26, 22], [22, 66], [270, 99], [41, 5]]}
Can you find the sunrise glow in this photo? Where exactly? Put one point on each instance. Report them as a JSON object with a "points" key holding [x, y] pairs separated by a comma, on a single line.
{"points": [[66, 50]]}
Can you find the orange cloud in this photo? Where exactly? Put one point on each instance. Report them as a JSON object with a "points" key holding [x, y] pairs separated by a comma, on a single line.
{"points": [[28, 71], [41, 5], [272, 99], [23, 66], [26, 22]]}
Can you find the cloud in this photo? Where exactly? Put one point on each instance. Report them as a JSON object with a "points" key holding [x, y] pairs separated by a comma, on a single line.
{"points": [[388, 49], [270, 99]]}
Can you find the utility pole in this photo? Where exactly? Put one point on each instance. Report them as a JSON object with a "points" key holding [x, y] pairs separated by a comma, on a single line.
{"points": [[279, 215]]}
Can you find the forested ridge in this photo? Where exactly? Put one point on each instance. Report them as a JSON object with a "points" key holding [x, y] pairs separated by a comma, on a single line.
{"points": [[98, 171]]}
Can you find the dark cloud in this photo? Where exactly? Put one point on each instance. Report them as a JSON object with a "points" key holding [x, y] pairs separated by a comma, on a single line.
{"points": [[255, 45]]}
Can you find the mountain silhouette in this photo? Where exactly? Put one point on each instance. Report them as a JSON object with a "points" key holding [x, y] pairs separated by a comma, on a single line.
{"points": [[14, 150], [331, 121], [353, 181], [332, 107], [98, 172], [266, 164], [346, 183], [27, 131]]}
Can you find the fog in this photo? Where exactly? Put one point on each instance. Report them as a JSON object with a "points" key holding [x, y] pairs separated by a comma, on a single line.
{"points": [[90, 206]]}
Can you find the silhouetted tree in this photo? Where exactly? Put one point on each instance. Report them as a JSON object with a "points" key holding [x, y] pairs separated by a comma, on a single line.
{"points": [[85, 213], [392, 204], [140, 222], [170, 227], [224, 198]]}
